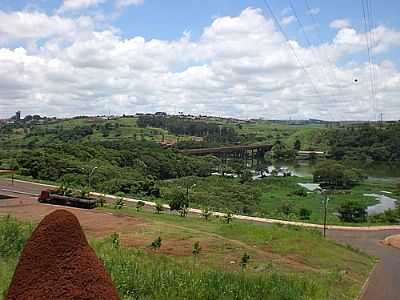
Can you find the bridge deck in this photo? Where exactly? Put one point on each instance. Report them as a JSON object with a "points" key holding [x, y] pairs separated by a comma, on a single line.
{"points": [[228, 149]]}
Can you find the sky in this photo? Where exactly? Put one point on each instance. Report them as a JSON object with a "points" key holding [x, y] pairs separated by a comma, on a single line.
{"points": [[310, 59]]}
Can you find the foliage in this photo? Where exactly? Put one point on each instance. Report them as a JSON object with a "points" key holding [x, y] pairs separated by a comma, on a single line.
{"points": [[196, 248], [228, 217], [180, 126], [333, 174], [304, 213], [139, 205], [159, 207], [352, 211], [177, 200], [13, 235], [183, 212], [156, 244], [115, 240], [365, 142], [244, 260], [119, 202], [206, 213]]}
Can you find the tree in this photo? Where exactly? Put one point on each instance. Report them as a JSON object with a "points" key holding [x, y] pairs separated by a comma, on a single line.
{"points": [[139, 205], [244, 260], [297, 145], [178, 200], [119, 202], [196, 249], [332, 174], [156, 244], [228, 217], [159, 207], [206, 213], [304, 213], [184, 211], [352, 211]]}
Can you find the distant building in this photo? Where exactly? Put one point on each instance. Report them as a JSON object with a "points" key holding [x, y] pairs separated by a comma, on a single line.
{"points": [[18, 116]]}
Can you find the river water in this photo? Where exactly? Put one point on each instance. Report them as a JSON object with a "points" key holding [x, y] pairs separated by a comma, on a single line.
{"points": [[387, 172]]}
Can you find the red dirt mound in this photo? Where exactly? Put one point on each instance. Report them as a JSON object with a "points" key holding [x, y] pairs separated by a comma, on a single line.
{"points": [[57, 263]]}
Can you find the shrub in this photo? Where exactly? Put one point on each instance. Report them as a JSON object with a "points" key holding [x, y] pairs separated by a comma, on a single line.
{"points": [[196, 248], [159, 207], [304, 214], [352, 211], [206, 213], [139, 205], [156, 244], [244, 260]]}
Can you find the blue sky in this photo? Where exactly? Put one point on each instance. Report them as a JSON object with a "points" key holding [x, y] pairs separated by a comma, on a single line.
{"points": [[65, 31]]}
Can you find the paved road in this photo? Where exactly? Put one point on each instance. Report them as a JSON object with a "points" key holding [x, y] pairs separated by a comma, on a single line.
{"points": [[384, 283]]}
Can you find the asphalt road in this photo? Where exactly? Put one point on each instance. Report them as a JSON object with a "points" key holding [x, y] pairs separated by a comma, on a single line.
{"points": [[384, 282]]}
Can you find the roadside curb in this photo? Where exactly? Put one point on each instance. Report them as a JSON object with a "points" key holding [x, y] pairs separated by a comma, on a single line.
{"points": [[365, 285]]}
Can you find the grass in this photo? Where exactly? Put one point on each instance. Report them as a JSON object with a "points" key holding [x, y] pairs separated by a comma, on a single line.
{"points": [[285, 263]]}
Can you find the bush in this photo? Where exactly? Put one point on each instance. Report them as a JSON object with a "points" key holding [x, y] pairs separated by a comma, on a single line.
{"points": [[139, 205], [13, 236], [178, 200], [304, 214], [352, 211]]}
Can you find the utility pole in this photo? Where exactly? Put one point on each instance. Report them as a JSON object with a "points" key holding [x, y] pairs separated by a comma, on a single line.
{"points": [[326, 200]]}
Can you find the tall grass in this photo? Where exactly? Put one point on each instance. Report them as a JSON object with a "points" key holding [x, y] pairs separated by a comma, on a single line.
{"points": [[13, 235], [139, 275]]}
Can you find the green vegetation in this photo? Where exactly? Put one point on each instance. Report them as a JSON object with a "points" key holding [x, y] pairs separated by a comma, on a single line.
{"points": [[323, 270], [365, 142], [334, 175]]}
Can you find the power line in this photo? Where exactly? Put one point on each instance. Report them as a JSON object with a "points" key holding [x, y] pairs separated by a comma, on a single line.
{"points": [[367, 29], [326, 54], [320, 66], [292, 49]]}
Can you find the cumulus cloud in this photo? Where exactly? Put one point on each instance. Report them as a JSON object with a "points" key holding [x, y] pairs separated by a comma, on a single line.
{"points": [[79, 4], [26, 25], [288, 20], [340, 23], [239, 66]]}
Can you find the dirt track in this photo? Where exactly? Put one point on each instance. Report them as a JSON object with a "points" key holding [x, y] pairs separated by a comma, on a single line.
{"points": [[384, 282]]}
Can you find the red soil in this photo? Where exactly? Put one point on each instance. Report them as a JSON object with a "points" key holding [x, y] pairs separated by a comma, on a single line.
{"points": [[58, 263]]}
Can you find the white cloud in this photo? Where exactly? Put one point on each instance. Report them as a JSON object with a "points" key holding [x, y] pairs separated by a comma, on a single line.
{"points": [[340, 23], [314, 11], [79, 4], [34, 26], [288, 20], [124, 3], [239, 66]]}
